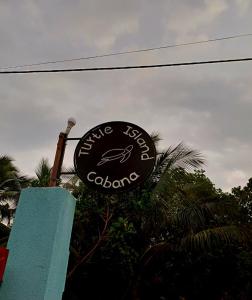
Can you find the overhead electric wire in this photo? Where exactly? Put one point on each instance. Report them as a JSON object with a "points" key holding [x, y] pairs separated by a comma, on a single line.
{"points": [[129, 67], [129, 52]]}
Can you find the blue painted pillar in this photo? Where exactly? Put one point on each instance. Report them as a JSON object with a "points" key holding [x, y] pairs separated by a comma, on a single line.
{"points": [[39, 245]]}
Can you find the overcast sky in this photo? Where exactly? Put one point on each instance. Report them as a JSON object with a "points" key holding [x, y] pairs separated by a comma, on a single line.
{"points": [[209, 107]]}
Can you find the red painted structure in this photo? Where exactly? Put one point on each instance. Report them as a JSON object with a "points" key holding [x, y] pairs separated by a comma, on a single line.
{"points": [[3, 260]]}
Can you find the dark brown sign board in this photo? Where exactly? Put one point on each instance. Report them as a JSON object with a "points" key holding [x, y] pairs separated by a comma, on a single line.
{"points": [[114, 157]]}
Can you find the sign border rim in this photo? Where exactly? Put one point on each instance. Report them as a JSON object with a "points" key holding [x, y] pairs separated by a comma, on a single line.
{"points": [[115, 191]]}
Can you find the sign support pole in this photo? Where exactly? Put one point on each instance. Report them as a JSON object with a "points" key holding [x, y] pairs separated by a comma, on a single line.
{"points": [[59, 155], [58, 160]]}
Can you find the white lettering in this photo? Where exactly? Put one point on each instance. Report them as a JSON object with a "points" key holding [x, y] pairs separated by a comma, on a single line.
{"points": [[133, 133], [116, 184], [123, 180], [82, 152], [108, 130], [101, 132], [87, 146], [141, 142], [145, 156], [99, 180], [135, 176], [137, 136], [147, 148], [107, 183], [90, 140], [88, 176], [97, 136], [127, 131]]}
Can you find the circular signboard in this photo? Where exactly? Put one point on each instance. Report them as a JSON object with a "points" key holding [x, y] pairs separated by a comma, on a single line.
{"points": [[114, 156]]}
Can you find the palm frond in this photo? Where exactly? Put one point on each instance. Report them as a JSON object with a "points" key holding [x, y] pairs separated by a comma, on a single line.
{"points": [[177, 157], [182, 156], [43, 169], [7, 168], [155, 137], [155, 251], [193, 217], [212, 238], [42, 172]]}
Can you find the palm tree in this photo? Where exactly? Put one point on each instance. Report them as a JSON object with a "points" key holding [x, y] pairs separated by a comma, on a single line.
{"points": [[186, 213], [11, 183], [190, 218], [42, 172], [206, 216], [8, 173], [190, 200]]}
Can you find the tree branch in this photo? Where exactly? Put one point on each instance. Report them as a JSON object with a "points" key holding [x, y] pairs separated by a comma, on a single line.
{"points": [[107, 218]]}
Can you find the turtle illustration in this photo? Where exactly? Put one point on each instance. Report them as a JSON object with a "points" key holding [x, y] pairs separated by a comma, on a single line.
{"points": [[116, 154]]}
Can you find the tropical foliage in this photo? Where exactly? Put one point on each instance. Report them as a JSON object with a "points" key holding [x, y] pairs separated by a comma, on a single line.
{"points": [[42, 174], [11, 183], [175, 237]]}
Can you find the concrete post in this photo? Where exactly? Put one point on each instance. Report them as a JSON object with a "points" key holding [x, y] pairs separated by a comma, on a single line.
{"points": [[39, 245]]}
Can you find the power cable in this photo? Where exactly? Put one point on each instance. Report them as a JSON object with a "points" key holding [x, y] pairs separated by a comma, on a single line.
{"points": [[129, 67], [129, 52]]}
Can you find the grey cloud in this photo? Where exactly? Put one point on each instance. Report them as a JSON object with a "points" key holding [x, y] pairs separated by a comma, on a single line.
{"points": [[207, 107]]}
